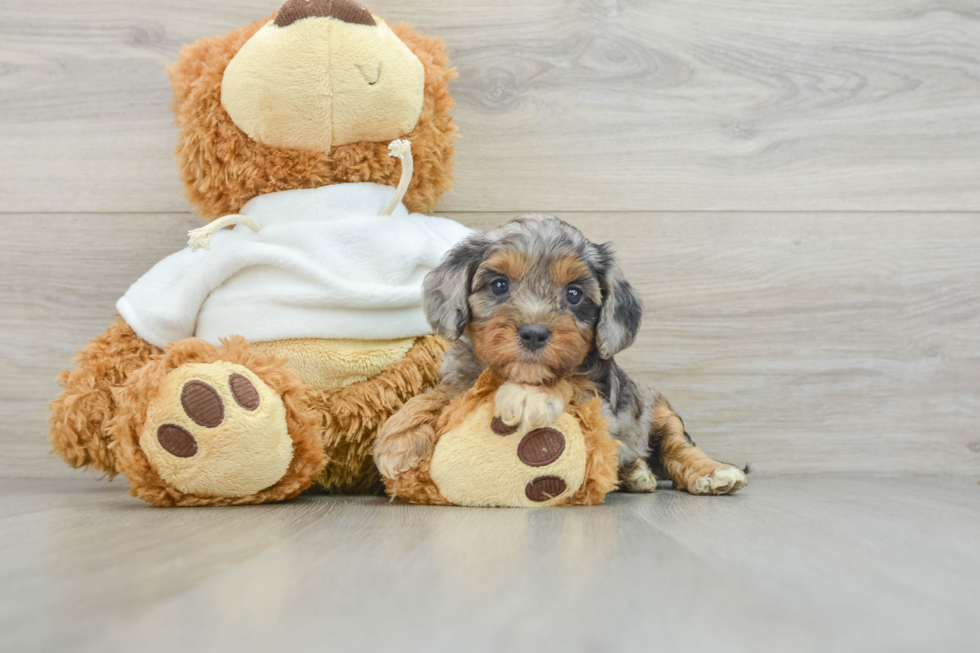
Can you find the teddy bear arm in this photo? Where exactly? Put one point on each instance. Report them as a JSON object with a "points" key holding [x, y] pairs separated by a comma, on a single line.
{"points": [[78, 416]]}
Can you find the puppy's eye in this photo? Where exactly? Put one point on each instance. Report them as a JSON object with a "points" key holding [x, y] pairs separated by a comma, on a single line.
{"points": [[499, 286], [573, 295]]}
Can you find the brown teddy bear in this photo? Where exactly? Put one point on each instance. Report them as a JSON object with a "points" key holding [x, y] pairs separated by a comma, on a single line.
{"points": [[264, 357]]}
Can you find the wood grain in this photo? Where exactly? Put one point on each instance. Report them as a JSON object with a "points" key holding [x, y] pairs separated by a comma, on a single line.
{"points": [[800, 342], [803, 564], [592, 105]]}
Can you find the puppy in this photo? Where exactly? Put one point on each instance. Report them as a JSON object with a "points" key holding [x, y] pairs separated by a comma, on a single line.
{"points": [[547, 309]]}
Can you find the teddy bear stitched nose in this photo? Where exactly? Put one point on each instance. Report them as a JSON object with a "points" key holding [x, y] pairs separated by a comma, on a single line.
{"points": [[345, 10]]}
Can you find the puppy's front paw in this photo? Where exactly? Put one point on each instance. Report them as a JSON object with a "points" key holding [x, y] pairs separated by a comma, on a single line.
{"points": [[722, 481], [526, 407]]}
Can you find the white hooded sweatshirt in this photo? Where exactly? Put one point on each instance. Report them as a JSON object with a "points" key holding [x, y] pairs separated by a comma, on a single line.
{"points": [[325, 264]]}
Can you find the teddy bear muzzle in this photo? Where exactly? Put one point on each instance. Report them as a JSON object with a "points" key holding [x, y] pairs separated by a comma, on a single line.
{"points": [[323, 73]]}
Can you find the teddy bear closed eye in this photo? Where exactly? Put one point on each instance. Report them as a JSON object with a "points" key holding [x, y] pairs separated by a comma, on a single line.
{"points": [[264, 356]]}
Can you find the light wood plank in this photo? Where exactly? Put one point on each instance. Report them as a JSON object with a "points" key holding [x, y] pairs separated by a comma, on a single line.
{"points": [[800, 343], [818, 563], [598, 105]]}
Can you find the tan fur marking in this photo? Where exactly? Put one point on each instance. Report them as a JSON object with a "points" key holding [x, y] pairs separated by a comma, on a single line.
{"points": [[497, 345], [566, 270], [513, 265]]}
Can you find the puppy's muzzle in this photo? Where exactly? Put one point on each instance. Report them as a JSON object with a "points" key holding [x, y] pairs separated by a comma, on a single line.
{"points": [[534, 336]]}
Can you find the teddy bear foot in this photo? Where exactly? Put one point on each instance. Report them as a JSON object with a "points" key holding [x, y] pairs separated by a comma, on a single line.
{"points": [[217, 430], [204, 425]]}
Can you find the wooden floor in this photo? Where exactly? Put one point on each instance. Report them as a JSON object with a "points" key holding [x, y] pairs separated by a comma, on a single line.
{"points": [[814, 563]]}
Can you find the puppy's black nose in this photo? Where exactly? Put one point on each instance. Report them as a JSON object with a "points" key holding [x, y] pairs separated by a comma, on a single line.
{"points": [[534, 336], [345, 10]]}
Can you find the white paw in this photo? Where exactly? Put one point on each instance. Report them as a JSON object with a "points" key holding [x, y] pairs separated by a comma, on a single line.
{"points": [[528, 407], [722, 481]]}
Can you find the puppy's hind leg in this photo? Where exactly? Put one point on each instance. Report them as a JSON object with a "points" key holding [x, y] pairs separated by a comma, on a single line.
{"points": [[673, 452], [409, 435]]}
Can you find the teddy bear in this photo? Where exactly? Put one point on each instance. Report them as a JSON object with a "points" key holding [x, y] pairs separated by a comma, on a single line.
{"points": [[263, 357]]}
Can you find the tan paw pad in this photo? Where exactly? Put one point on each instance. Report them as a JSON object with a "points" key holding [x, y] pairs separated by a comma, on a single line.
{"points": [[216, 429], [478, 463]]}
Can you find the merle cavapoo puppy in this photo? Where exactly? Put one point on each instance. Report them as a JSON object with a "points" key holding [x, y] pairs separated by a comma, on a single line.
{"points": [[538, 302]]}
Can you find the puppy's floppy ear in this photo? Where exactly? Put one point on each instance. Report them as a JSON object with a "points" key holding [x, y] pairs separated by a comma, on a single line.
{"points": [[621, 310], [447, 286]]}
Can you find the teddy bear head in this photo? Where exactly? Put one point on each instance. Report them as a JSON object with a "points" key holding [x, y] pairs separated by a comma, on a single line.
{"points": [[311, 96]]}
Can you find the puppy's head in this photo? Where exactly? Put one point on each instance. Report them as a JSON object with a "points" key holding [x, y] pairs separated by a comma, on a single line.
{"points": [[534, 296]]}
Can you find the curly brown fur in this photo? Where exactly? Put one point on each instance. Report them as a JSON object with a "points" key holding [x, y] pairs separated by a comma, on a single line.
{"points": [[540, 258], [601, 455], [78, 416], [133, 398], [350, 416], [222, 168]]}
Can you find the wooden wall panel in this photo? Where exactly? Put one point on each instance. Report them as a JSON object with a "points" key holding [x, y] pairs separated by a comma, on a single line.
{"points": [[590, 105]]}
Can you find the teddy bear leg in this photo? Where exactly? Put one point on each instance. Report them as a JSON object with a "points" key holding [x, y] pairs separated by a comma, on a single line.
{"points": [[215, 426], [79, 414]]}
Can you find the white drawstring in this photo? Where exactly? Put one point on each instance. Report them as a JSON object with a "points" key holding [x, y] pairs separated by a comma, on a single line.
{"points": [[201, 238], [403, 150]]}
